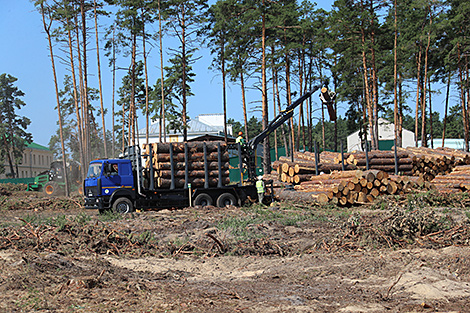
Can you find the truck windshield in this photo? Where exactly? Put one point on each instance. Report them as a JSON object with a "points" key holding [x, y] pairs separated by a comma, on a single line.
{"points": [[94, 170]]}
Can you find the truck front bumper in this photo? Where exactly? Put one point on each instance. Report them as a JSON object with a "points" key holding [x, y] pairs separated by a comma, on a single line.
{"points": [[94, 204]]}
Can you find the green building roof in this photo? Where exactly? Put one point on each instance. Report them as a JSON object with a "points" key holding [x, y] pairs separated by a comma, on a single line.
{"points": [[36, 146]]}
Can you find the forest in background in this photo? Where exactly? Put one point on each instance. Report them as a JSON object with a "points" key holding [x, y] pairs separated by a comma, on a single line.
{"points": [[382, 58]]}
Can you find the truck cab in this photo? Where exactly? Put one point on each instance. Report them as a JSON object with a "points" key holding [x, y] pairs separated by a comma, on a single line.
{"points": [[108, 180]]}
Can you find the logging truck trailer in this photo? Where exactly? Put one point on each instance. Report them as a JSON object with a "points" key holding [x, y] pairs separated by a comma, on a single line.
{"points": [[124, 185]]}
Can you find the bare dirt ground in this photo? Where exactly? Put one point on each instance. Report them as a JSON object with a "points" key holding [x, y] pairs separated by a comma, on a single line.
{"points": [[408, 254]]}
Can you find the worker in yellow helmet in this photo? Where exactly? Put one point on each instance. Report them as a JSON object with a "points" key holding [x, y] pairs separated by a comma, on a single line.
{"points": [[240, 139]]}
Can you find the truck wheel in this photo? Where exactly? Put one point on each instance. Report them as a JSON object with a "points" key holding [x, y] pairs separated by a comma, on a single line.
{"points": [[52, 189], [226, 199], [203, 200], [123, 206]]}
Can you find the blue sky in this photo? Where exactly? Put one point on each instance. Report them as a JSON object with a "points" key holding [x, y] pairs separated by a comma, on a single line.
{"points": [[24, 55]]}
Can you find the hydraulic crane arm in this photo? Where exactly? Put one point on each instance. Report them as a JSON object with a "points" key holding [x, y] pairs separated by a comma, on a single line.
{"points": [[327, 97], [286, 114]]}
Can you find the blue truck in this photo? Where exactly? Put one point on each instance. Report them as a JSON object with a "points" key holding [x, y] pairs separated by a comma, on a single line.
{"points": [[124, 185]]}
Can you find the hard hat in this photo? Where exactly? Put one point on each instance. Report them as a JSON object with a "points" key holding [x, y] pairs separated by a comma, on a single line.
{"points": [[260, 177], [240, 133]]}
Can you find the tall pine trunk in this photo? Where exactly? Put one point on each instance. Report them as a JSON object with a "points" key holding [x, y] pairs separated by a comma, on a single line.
{"points": [[424, 141], [147, 112], [396, 119], [183, 61], [85, 104], [162, 131], [301, 106], [81, 109], [375, 83], [245, 117], [446, 109], [99, 81], [462, 98], [76, 98], [273, 70], [278, 97], [64, 156], [132, 107], [289, 102], [368, 98], [113, 100], [224, 93], [418, 84], [430, 114], [367, 85], [266, 152]]}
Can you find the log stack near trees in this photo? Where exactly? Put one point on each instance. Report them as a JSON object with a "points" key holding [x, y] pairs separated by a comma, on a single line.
{"points": [[423, 162], [460, 157], [168, 157], [303, 167], [422, 169], [456, 181], [356, 187], [429, 163]]}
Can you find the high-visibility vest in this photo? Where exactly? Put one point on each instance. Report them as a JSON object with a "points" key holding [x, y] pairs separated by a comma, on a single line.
{"points": [[260, 186], [240, 140]]}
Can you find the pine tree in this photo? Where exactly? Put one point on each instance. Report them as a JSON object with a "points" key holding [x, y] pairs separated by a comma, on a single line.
{"points": [[185, 19], [13, 135]]}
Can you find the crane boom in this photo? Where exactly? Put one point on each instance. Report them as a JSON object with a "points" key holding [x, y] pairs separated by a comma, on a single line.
{"points": [[250, 148], [280, 119]]}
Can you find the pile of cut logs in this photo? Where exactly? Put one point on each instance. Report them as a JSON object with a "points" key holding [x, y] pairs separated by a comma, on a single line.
{"points": [[379, 160], [456, 181], [424, 162], [353, 187], [163, 153], [428, 163], [303, 167], [446, 170]]}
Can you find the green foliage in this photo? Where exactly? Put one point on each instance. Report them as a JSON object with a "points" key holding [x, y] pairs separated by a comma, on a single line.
{"points": [[13, 135], [69, 125], [31, 300], [245, 226], [304, 46], [110, 215], [433, 198], [59, 221]]}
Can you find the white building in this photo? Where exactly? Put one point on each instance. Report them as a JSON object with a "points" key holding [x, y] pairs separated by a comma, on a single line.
{"points": [[386, 137], [458, 144], [202, 125]]}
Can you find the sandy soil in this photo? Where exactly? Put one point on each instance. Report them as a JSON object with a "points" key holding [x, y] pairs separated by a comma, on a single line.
{"points": [[289, 258]]}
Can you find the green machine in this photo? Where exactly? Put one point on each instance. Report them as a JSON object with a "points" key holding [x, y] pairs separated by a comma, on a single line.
{"points": [[52, 182]]}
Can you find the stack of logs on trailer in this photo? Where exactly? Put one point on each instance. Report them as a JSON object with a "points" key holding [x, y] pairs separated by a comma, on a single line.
{"points": [[340, 178], [198, 155]]}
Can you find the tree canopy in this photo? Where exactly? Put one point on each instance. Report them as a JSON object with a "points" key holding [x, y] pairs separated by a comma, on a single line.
{"points": [[382, 58], [13, 134]]}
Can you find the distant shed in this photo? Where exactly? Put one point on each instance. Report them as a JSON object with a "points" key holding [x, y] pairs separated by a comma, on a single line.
{"points": [[386, 137]]}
